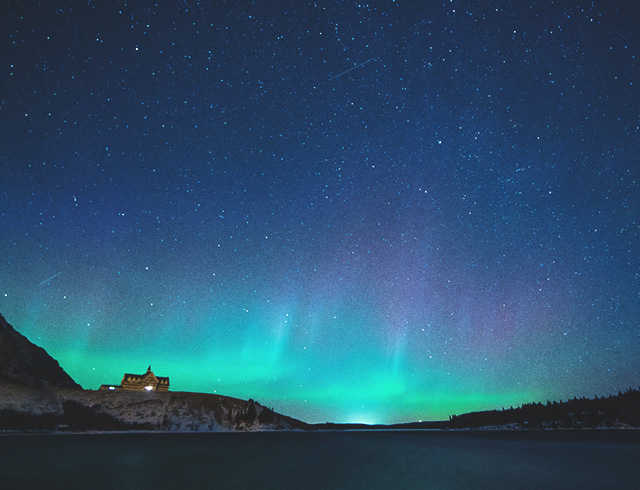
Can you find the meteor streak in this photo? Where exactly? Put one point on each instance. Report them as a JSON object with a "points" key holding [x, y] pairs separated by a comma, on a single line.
{"points": [[352, 68], [47, 280]]}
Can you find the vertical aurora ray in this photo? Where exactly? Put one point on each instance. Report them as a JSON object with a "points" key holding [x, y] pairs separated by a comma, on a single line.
{"points": [[452, 226]]}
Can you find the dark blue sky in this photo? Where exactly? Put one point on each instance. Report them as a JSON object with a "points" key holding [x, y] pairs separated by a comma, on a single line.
{"points": [[349, 211]]}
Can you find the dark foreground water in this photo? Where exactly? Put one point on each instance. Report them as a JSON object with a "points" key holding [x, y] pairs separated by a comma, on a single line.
{"points": [[348, 460]]}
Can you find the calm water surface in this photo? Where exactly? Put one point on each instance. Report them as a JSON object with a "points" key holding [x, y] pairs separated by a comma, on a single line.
{"points": [[348, 460]]}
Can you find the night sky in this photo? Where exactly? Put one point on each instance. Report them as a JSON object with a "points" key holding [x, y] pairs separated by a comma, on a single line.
{"points": [[348, 211]]}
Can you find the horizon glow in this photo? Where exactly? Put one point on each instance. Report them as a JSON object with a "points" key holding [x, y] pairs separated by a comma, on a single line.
{"points": [[346, 212]]}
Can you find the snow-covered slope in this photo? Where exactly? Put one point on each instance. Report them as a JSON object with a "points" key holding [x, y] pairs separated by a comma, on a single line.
{"points": [[27, 408], [179, 411]]}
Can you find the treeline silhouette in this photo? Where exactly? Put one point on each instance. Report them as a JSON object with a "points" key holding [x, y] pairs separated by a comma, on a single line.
{"points": [[621, 410]]}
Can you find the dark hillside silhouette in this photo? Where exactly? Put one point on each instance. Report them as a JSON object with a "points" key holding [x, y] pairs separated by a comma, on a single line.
{"points": [[24, 362], [621, 410]]}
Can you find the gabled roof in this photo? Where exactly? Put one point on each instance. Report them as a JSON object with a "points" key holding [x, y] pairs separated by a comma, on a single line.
{"points": [[146, 377]]}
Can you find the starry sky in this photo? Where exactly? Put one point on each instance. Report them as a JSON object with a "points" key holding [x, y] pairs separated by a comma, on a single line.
{"points": [[351, 212]]}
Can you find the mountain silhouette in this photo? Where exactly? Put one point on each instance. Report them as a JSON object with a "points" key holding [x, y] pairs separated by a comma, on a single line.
{"points": [[25, 363]]}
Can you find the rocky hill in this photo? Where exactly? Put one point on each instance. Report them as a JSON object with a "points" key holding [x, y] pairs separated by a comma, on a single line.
{"points": [[36, 394], [27, 408], [24, 362]]}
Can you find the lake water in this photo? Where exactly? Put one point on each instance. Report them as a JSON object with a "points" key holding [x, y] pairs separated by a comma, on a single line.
{"points": [[347, 460]]}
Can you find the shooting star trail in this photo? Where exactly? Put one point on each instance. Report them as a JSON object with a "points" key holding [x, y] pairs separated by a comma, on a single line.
{"points": [[352, 68], [47, 280]]}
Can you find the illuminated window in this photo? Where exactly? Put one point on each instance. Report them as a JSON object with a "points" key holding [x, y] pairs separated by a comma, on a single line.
{"points": [[148, 388]]}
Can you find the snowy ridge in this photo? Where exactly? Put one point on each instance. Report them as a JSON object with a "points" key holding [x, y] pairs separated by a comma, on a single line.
{"points": [[27, 408]]}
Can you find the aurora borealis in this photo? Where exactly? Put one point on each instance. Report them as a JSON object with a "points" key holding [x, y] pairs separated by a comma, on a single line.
{"points": [[348, 211]]}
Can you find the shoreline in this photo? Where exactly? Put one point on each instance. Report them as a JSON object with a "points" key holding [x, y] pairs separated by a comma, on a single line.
{"points": [[5, 433]]}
